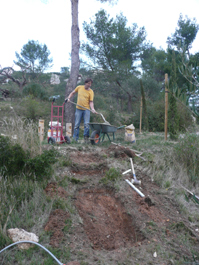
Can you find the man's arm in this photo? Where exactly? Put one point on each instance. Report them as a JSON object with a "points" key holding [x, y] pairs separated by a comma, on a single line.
{"points": [[92, 107], [71, 94]]}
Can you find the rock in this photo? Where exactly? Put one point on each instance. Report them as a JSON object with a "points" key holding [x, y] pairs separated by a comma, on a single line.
{"points": [[54, 80], [16, 235], [149, 201]]}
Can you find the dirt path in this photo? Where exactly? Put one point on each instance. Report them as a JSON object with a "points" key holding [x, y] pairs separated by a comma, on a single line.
{"points": [[112, 223]]}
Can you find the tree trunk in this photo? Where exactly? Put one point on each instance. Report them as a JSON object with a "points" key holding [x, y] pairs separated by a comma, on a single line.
{"points": [[129, 103], [146, 122], [121, 104], [72, 82]]}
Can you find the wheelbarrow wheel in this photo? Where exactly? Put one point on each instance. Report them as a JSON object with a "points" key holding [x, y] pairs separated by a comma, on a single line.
{"points": [[67, 139], [51, 140], [95, 137]]}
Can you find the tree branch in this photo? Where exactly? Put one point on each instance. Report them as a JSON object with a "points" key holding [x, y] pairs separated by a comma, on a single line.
{"points": [[6, 73]]}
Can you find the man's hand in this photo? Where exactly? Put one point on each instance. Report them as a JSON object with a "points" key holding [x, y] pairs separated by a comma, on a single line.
{"points": [[93, 111], [67, 99]]}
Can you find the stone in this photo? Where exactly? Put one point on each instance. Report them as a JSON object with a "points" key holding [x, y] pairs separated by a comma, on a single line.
{"points": [[16, 235], [54, 80]]}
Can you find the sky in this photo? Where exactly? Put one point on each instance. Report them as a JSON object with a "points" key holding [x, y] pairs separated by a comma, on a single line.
{"points": [[49, 22]]}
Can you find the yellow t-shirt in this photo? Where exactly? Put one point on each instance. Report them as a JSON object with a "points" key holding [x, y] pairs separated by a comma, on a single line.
{"points": [[84, 97]]}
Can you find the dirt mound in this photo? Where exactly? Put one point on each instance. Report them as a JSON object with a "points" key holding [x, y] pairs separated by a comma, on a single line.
{"points": [[52, 190], [106, 222], [147, 207], [55, 224], [119, 151], [87, 164]]}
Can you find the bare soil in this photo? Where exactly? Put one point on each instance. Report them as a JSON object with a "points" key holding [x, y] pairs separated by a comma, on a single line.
{"points": [[112, 223]]}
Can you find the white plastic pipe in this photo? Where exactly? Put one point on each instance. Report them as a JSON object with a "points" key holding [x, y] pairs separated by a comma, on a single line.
{"points": [[138, 191], [127, 171], [134, 180]]}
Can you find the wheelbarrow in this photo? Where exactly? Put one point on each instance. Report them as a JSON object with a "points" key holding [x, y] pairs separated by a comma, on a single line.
{"points": [[100, 130]]}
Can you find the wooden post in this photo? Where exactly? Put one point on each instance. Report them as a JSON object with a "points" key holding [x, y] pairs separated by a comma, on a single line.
{"points": [[166, 106], [41, 130], [69, 129], [141, 116]]}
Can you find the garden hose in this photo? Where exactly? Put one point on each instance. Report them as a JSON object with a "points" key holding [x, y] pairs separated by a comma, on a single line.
{"points": [[31, 242]]}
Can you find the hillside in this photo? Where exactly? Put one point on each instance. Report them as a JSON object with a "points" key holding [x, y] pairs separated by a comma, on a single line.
{"points": [[87, 212], [111, 223]]}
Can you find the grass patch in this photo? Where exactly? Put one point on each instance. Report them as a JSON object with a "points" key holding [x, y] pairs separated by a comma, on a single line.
{"points": [[111, 175]]}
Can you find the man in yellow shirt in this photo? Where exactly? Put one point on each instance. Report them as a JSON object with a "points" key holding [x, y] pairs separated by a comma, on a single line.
{"points": [[84, 104]]}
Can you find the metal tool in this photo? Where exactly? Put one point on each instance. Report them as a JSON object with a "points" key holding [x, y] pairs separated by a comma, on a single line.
{"points": [[134, 180]]}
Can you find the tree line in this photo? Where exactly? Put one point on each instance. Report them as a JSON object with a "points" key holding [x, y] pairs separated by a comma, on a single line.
{"points": [[120, 58]]}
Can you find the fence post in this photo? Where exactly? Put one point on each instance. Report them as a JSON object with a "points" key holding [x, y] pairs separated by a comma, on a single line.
{"points": [[41, 130]]}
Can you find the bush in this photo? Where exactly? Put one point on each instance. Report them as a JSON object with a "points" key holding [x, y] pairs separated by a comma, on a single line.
{"points": [[41, 166], [32, 109], [23, 132], [15, 161], [35, 91], [12, 157], [111, 175], [156, 116], [100, 102], [186, 152]]}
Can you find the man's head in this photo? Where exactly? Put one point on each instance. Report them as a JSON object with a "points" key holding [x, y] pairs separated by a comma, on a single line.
{"points": [[88, 82]]}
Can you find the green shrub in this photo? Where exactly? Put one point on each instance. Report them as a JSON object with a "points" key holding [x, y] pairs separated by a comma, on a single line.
{"points": [[32, 108], [185, 118], [111, 115], [156, 116], [15, 161], [12, 157], [186, 152], [100, 102], [35, 91], [41, 165], [111, 175]]}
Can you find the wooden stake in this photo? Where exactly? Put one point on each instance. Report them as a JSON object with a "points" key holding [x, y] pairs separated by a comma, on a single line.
{"points": [[141, 116], [166, 107]]}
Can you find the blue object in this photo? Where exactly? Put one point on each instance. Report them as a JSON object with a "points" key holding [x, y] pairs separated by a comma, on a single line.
{"points": [[54, 97]]}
